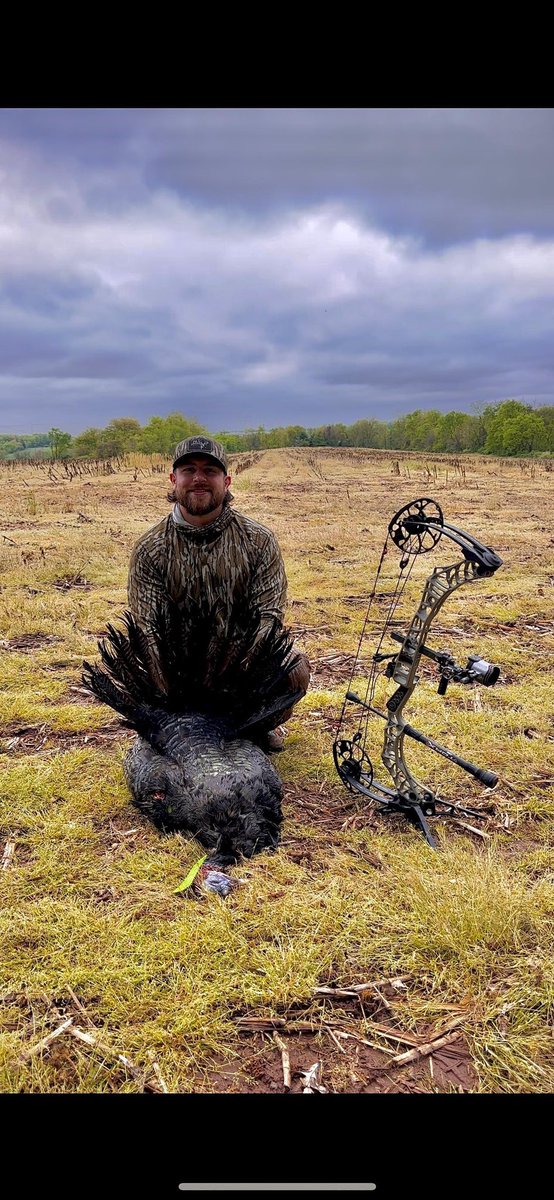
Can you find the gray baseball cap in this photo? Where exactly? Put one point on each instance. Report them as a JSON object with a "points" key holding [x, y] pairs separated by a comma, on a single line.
{"points": [[200, 445]]}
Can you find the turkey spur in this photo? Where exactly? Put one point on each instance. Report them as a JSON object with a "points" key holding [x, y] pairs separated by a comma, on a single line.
{"points": [[198, 765]]}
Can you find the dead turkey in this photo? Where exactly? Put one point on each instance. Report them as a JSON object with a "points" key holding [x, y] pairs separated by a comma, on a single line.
{"points": [[202, 711]]}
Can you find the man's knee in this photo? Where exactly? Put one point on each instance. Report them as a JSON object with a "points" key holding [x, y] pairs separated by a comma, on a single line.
{"points": [[299, 677], [298, 681]]}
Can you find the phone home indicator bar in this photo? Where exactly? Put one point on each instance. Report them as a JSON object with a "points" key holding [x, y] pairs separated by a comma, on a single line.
{"points": [[277, 1187]]}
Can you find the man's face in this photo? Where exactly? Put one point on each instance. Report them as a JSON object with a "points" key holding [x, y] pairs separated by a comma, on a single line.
{"points": [[199, 485]]}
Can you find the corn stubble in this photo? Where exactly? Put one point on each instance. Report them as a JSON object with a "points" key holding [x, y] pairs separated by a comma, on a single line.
{"points": [[87, 904]]}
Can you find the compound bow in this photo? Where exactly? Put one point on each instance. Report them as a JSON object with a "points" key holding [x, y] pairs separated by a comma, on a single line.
{"points": [[414, 529]]}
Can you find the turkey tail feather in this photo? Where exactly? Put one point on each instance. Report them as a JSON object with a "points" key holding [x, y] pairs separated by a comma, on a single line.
{"points": [[231, 667], [265, 719], [104, 688]]}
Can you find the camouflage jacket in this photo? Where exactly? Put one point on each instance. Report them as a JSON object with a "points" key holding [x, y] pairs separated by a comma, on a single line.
{"points": [[233, 556]]}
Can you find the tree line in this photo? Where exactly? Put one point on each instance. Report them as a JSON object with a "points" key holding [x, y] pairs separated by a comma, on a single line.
{"points": [[507, 428]]}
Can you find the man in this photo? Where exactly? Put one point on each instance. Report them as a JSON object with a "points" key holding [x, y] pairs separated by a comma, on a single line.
{"points": [[206, 550]]}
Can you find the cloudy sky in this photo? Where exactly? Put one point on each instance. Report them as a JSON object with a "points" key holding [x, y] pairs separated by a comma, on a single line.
{"points": [[272, 266]]}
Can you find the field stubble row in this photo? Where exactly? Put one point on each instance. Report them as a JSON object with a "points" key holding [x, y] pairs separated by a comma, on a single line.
{"points": [[87, 893]]}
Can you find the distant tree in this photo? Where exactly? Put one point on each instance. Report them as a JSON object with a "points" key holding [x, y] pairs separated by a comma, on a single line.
{"points": [[86, 444], [162, 434], [38, 452], [153, 438], [231, 441], [277, 437], [59, 443], [302, 438], [321, 435], [494, 418], [457, 431], [296, 435], [476, 433], [371, 433], [23, 445], [508, 427], [398, 438], [421, 428], [253, 439], [333, 435], [8, 445], [524, 434], [546, 413], [121, 436]]}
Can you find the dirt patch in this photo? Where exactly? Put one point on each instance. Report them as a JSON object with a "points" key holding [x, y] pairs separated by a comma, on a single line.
{"points": [[127, 830], [28, 641], [59, 664], [320, 806], [349, 1067], [105, 895], [333, 667], [16, 739], [453, 1067], [303, 853], [65, 582], [258, 1066], [324, 809]]}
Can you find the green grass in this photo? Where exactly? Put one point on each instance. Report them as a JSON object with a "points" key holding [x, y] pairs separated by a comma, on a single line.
{"points": [[88, 900]]}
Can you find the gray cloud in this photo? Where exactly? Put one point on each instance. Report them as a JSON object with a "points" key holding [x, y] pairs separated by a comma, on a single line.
{"points": [[272, 266], [441, 174]]}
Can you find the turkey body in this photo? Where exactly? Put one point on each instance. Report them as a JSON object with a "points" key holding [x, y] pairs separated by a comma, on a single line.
{"points": [[197, 765], [196, 779]]}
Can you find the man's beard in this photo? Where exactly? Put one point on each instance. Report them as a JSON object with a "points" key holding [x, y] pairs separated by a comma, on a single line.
{"points": [[198, 504]]}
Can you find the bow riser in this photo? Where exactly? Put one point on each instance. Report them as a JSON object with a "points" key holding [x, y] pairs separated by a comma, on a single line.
{"points": [[441, 583]]}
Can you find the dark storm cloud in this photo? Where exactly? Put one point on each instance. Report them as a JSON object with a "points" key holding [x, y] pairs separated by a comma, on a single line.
{"points": [[441, 174], [272, 266]]}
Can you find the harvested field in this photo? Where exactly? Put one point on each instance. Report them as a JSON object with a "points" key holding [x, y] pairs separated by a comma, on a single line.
{"points": [[356, 947]]}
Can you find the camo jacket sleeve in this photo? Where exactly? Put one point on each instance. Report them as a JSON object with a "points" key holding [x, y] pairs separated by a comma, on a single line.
{"points": [[146, 591], [269, 587]]}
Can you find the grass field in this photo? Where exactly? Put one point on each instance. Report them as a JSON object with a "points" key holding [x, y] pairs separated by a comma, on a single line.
{"points": [[157, 991]]}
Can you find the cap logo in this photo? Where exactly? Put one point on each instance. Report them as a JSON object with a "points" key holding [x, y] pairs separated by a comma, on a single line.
{"points": [[199, 443]]}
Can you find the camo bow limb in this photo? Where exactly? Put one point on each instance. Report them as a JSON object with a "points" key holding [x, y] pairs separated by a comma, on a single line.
{"points": [[415, 530]]}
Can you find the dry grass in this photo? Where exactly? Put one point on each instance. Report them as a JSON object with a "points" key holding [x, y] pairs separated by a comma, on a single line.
{"points": [[87, 899]]}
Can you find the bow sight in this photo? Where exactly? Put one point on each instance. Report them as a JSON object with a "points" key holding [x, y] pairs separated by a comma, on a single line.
{"points": [[415, 529], [477, 669]]}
